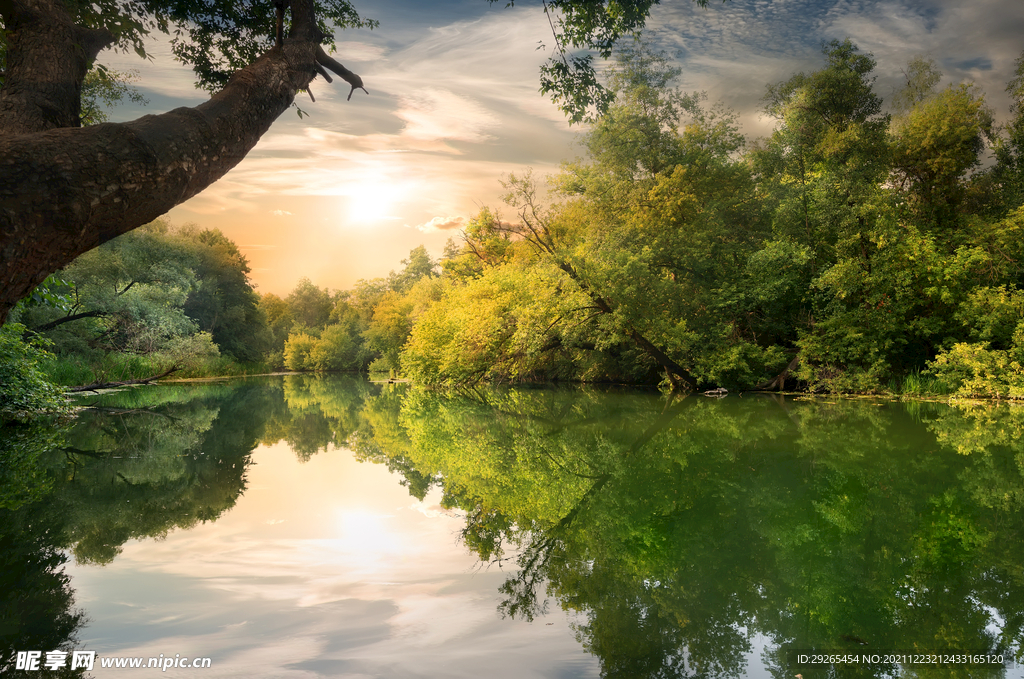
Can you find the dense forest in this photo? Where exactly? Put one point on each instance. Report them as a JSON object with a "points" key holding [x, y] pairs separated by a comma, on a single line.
{"points": [[864, 246]]}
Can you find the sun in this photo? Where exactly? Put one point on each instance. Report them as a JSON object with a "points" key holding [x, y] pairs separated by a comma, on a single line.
{"points": [[372, 202]]}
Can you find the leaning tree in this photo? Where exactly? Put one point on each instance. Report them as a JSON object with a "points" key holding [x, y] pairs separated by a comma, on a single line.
{"points": [[65, 189]]}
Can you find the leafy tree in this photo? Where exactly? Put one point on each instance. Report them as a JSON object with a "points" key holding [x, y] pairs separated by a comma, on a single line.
{"points": [[1009, 151], [922, 76], [395, 314], [637, 138], [155, 291], [223, 302], [936, 143], [502, 326], [643, 260], [310, 306], [297, 350], [486, 242], [279, 323], [825, 158], [126, 295], [579, 29], [347, 330], [418, 265]]}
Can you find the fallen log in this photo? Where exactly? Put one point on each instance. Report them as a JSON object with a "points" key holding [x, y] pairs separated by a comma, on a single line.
{"points": [[110, 385]]}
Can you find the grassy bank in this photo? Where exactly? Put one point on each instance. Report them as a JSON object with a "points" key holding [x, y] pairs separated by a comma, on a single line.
{"points": [[117, 367]]}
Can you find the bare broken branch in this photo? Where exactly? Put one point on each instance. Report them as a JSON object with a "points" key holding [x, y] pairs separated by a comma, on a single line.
{"points": [[348, 76]]}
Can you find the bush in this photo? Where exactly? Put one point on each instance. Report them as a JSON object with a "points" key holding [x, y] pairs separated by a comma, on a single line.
{"points": [[974, 370], [297, 350], [335, 350], [24, 390], [191, 353]]}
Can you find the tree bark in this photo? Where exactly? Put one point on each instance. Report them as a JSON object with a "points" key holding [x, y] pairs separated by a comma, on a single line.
{"points": [[47, 57], [66, 189]]}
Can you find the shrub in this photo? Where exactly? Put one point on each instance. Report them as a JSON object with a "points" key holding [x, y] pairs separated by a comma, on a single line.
{"points": [[297, 350], [974, 370], [24, 390]]}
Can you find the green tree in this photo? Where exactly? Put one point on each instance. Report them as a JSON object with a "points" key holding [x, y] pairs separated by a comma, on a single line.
{"points": [[1009, 150], [485, 243], [310, 305], [506, 325], [922, 76], [126, 296], [936, 143], [223, 301], [279, 321], [156, 292], [822, 165], [24, 390], [418, 265], [297, 350], [389, 329]]}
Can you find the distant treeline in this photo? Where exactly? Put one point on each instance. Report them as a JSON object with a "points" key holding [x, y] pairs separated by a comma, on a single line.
{"points": [[856, 249], [161, 297]]}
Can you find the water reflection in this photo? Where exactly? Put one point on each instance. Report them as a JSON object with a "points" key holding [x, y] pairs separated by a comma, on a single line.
{"points": [[678, 530], [684, 534], [159, 459]]}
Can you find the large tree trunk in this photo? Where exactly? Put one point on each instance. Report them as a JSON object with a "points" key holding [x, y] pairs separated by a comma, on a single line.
{"points": [[65, 189]]}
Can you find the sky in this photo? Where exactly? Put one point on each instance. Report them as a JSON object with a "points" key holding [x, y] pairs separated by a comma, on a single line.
{"points": [[346, 192]]}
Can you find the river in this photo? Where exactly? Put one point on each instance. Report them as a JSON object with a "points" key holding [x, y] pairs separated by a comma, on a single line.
{"points": [[301, 526]]}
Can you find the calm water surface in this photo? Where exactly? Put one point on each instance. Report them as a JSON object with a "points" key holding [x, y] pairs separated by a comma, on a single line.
{"points": [[330, 527]]}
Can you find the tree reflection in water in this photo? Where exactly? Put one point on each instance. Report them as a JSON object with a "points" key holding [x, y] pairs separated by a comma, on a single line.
{"points": [[159, 459], [680, 529], [677, 530]]}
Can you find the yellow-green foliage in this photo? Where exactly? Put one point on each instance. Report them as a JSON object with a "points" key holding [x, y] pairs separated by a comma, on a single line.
{"points": [[972, 369], [297, 350], [498, 326], [940, 139], [335, 350]]}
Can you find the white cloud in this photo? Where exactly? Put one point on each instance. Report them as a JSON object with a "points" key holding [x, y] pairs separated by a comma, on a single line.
{"points": [[432, 115], [442, 224], [358, 51], [280, 213]]}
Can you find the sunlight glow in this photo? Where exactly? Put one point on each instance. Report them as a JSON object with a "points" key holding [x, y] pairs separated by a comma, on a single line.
{"points": [[373, 201], [368, 535]]}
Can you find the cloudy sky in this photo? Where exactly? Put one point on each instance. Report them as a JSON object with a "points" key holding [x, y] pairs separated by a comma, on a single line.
{"points": [[346, 192]]}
